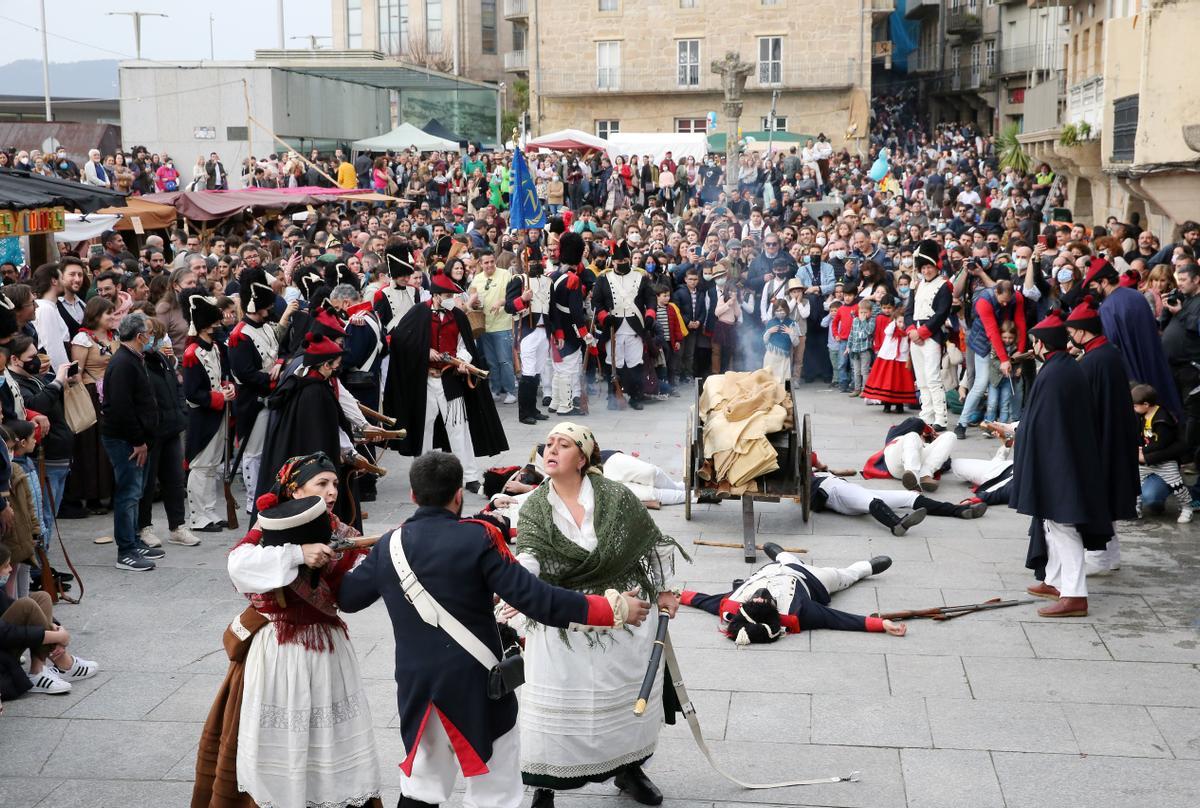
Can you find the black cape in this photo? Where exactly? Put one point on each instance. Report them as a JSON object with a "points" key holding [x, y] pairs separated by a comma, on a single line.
{"points": [[304, 418], [1056, 467], [1118, 434], [404, 392]]}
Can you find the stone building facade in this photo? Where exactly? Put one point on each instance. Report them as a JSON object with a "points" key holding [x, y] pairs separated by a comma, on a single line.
{"points": [[629, 66]]}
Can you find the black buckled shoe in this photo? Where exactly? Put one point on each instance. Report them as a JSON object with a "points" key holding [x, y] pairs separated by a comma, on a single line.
{"points": [[772, 549], [634, 782], [542, 798]]}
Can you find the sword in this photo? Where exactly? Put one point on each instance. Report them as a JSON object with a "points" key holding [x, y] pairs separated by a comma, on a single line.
{"points": [[660, 639]]}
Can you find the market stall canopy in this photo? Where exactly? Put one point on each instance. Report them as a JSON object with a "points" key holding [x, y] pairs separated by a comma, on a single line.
{"points": [[657, 144], [757, 140], [21, 189], [403, 137], [206, 206], [151, 215], [570, 140], [83, 226]]}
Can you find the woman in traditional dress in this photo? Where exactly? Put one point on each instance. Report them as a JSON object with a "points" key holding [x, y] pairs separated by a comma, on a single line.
{"points": [[91, 477], [290, 726], [891, 381], [584, 532]]}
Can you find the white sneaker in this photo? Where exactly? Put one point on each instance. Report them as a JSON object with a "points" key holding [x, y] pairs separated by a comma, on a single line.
{"points": [[148, 538], [1185, 516], [183, 535], [48, 682], [510, 399], [82, 669]]}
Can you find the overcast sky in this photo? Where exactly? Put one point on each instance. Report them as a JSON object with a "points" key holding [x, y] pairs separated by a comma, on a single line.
{"points": [[239, 27]]}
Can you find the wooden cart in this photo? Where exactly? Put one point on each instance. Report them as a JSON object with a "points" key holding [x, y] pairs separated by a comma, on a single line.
{"points": [[792, 480]]}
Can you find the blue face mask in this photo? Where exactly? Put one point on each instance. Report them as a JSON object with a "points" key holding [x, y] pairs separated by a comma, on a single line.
{"points": [[3, 580], [650, 265], [984, 262], [903, 290], [151, 346]]}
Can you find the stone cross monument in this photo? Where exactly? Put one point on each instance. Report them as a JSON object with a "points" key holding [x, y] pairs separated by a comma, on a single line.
{"points": [[733, 72]]}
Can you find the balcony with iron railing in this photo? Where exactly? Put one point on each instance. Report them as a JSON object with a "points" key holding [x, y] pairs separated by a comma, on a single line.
{"points": [[918, 9], [1030, 57], [1124, 128], [922, 61], [964, 22], [966, 79], [516, 61], [809, 74], [1085, 102], [516, 9]]}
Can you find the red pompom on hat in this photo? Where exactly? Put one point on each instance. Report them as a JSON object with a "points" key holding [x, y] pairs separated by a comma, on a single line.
{"points": [[1100, 268], [1052, 331], [1086, 316], [318, 349], [266, 502], [329, 322], [442, 284]]}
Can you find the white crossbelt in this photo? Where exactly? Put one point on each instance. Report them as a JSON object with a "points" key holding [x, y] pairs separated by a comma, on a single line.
{"points": [[689, 712], [433, 612]]}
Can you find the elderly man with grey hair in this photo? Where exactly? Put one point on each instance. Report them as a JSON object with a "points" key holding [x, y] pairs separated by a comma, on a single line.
{"points": [[127, 426], [94, 172]]}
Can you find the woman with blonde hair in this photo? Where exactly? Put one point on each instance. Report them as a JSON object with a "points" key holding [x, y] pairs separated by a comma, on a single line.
{"points": [[1159, 283]]}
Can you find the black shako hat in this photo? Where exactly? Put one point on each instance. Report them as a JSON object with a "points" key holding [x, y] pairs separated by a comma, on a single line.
{"points": [[199, 310], [296, 521]]}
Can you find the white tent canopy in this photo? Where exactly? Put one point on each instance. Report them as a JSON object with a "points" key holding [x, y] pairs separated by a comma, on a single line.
{"points": [[83, 226], [657, 144], [405, 136], [565, 139]]}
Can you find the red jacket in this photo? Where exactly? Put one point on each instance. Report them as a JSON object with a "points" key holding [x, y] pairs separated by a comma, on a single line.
{"points": [[843, 320], [881, 324]]}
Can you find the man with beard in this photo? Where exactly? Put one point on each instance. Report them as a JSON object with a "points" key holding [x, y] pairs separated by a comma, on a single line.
{"points": [[453, 410], [789, 596], [572, 337], [1057, 475], [1129, 324], [527, 298], [254, 360], [1117, 434], [625, 308], [70, 305]]}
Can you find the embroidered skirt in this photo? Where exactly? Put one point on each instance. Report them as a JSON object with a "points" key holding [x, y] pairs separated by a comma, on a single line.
{"points": [[890, 382], [305, 735]]}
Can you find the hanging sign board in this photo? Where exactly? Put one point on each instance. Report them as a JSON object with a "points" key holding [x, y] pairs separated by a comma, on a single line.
{"points": [[32, 222]]}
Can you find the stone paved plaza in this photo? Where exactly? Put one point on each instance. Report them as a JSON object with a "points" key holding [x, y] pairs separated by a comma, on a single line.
{"points": [[996, 709]]}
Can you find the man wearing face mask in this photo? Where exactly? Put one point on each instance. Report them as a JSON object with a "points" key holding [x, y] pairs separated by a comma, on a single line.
{"points": [[65, 167], [625, 308], [449, 412], [762, 267]]}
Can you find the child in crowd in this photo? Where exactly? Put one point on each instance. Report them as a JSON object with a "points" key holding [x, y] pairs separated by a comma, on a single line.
{"points": [[1001, 388], [891, 381], [1163, 445], [858, 346], [798, 310], [671, 330], [27, 624], [841, 326], [833, 306], [26, 530], [780, 337]]}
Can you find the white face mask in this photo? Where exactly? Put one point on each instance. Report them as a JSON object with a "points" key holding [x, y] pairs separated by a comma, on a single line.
{"points": [[906, 261], [1022, 263], [821, 240], [448, 302], [839, 255]]}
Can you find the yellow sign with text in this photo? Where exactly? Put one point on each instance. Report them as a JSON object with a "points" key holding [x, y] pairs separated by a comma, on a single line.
{"points": [[32, 222]]}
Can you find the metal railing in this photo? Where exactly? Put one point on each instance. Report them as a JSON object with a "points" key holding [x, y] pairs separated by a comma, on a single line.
{"points": [[515, 61], [965, 79], [1030, 57], [515, 9], [788, 75], [964, 21]]}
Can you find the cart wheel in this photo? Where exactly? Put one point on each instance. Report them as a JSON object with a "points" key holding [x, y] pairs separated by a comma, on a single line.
{"points": [[689, 474], [806, 470]]}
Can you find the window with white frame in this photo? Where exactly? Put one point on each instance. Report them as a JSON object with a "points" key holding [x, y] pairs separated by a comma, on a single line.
{"points": [[608, 65], [780, 123], [955, 57], [688, 51], [770, 59], [609, 5], [607, 127], [989, 56], [354, 24], [687, 126], [487, 25], [433, 25]]}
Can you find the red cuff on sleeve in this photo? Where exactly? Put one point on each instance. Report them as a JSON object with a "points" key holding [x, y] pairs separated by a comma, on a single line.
{"points": [[216, 400], [583, 331], [30, 414], [924, 333], [686, 597], [790, 622], [650, 314], [599, 611], [558, 333], [874, 624], [519, 304], [601, 316]]}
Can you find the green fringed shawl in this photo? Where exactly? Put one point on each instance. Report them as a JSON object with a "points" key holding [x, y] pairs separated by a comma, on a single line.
{"points": [[626, 553]]}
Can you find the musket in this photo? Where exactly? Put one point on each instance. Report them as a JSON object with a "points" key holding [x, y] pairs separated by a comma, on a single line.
{"points": [[739, 546], [463, 367], [354, 542], [950, 612], [360, 463], [231, 508], [656, 652], [618, 391], [386, 420], [584, 404], [371, 434]]}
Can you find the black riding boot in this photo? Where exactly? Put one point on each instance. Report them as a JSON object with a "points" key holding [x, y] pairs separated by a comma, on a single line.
{"points": [[893, 521], [526, 404], [533, 397], [936, 507], [632, 379]]}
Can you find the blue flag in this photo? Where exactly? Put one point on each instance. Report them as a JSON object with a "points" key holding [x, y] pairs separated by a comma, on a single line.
{"points": [[525, 209]]}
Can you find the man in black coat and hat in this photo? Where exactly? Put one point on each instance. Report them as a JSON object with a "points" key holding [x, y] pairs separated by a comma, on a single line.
{"points": [[254, 361], [625, 309], [571, 337], [453, 410], [1117, 433], [1058, 477]]}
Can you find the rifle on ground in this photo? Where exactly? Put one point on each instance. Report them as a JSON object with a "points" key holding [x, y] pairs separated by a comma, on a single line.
{"points": [[739, 545], [951, 612]]}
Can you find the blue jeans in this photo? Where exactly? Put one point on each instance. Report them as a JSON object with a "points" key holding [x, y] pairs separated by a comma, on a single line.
{"points": [[127, 490], [1000, 400], [837, 349], [497, 350], [979, 389]]}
